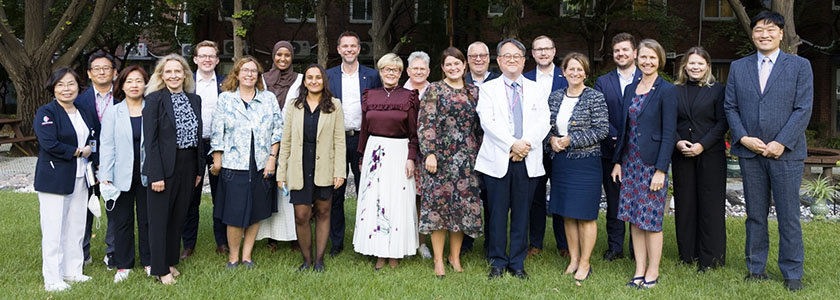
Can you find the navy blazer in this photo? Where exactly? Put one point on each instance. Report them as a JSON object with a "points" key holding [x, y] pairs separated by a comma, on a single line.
{"points": [[159, 135], [492, 75], [702, 120], [87, 100], [55, 171], [609, 85], [779, 114], [368, 79], [656, 124], [559, 80]]}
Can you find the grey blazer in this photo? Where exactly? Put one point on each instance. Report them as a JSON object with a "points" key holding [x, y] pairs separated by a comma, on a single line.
{"points": [[779, 114], [588, 125], [116, 148]]}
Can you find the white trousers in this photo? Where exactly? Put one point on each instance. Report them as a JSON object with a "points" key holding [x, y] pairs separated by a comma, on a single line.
{"points": [[62, 231]]}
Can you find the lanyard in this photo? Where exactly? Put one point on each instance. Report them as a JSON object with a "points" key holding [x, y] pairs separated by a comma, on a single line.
{"points": [[108, 100]]}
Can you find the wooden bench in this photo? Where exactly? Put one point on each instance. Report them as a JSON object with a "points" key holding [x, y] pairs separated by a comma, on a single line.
{"points": [[824, 158], [18, 140]]}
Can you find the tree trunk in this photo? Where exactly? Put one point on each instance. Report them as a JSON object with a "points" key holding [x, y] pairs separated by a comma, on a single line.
{"points": [[31, 93], [321, 26], [512, 15], [383, 19], [238, 50]]}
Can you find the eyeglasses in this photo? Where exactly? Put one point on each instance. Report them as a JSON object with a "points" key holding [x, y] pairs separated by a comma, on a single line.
{"points": [[546, 49], [389, 70], [204, 57], [248, 71], [477, 56], [512, 57], [99, 69]]}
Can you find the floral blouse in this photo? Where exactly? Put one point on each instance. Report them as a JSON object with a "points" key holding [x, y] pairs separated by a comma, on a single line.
{"points": [[234, 123], [186, 122]]}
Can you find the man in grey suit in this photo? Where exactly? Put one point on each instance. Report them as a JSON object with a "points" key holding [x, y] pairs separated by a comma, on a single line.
{"points": [[769, 96]]}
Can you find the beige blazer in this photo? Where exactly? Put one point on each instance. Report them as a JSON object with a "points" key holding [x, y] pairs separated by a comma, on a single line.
{"points": [[330, 149]]}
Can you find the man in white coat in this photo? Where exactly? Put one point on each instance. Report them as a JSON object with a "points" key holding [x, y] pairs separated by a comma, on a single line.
{"points": [[515, 119]]}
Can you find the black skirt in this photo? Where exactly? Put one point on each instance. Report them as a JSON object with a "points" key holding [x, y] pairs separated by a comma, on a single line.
{"points": [[245, 197]]}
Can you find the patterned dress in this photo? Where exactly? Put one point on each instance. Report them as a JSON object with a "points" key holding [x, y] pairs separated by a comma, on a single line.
{"points": [[637, 204], [449, 128]]}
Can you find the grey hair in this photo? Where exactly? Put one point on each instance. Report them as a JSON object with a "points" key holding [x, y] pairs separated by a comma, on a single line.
{"points": [[478, 43], [421, 55], [513, 41]]}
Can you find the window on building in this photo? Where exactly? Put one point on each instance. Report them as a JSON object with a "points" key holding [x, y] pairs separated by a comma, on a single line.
{"points": [[294, 12], [498, 9], [361, 11], [717, 10], [720, 71], [835, 4], [572, 8]]}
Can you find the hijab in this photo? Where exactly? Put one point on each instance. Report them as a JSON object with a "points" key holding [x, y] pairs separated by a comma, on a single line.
{"points": [[279, 81]]}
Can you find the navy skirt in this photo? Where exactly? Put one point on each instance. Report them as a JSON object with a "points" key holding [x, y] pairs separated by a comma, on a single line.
{"points": [[575, 187], [245, 197]]}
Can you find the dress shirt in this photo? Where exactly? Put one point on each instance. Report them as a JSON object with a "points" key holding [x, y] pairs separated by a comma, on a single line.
{"points": [[351, 100], [567, 107], [624, 82], [420, 92], [773, 56], [477, 82], [509, 91], [208, 90], [82, 133], [234, 123], [103, 101], [545, 80]]}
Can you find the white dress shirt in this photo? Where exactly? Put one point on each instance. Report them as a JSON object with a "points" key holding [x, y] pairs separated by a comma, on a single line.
{"points": [[420, 92], [477, 82], [545, 80], [564, 114], [208, 90], [351, 100], [624, 82]]}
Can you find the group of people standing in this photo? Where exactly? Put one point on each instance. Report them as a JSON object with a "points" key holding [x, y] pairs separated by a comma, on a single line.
{"points": [[428, 158]]}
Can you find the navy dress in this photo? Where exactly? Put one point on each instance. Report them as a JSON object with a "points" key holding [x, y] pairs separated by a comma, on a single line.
{"points": [[637, 204], [310, 191]]}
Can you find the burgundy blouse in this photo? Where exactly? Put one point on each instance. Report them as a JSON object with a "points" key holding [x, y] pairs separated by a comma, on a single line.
{"points": [[394, 117]]}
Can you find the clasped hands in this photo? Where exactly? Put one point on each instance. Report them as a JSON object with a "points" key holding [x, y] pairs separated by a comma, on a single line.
{"points": [[689, 149], [559, 143], [772, 149], [519, 150]]}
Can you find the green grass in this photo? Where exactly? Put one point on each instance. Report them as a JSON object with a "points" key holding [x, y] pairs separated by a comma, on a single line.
{"points": [[351, 275]]}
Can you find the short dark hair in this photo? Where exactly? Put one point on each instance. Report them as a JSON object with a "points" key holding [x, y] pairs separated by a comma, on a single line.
{"points": [[99, 54], [59, 73], [346, 34], [513, 41], [769, 17], [621, 37], [118, 88]]}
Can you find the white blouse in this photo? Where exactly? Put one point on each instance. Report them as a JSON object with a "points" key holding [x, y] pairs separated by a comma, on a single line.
{"points": [[565, 113], [82, 133]]}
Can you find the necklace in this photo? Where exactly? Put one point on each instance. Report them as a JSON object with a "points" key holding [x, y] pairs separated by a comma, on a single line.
{"points": [[387, 92]]}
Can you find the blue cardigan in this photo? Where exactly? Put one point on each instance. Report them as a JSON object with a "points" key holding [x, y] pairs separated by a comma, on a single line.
{"points": [[656, 124], [55, 171]]}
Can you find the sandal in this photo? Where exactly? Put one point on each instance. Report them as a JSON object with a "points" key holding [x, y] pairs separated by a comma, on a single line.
{"points": [[633, 283]]}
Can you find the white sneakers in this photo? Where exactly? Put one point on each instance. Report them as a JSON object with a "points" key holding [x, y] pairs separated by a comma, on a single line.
{"points": [[76, 278], [56, 287], [424, 251], [121, 275], [148, 270]]}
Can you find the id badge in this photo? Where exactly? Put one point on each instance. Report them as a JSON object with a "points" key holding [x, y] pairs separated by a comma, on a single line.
{"points": [[92, 144]]}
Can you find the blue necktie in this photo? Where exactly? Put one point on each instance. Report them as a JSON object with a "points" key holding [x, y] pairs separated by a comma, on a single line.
{"points": [[517, 111]]}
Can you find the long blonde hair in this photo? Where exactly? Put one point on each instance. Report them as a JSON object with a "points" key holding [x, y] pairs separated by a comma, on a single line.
{"points": [[708, 79], [156, 80]]}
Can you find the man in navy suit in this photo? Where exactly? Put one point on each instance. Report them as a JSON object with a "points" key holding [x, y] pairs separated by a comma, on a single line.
{"points": [[347, 82], [208, 86], [102, 69], [478, 57], [769, 97], [549, 78], [612, 86]]}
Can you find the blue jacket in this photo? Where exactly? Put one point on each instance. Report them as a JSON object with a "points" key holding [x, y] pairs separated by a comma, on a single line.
{"points": [[656, 124], [609, 85], [55, 171], [87, 101], [779, 114], [116, 148], [559, 80], [368, 79]]}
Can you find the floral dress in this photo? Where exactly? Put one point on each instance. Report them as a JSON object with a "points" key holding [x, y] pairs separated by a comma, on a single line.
{"points": [[637, 204], [449, 128]]}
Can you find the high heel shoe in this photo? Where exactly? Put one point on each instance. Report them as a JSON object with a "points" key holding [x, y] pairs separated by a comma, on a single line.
{"points": [[633, 283], [649, 284], [460, 269], [579, 281]]}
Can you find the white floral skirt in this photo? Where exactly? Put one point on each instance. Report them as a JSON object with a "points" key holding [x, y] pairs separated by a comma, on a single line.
{"points": [[281, 225], [386, 215]]}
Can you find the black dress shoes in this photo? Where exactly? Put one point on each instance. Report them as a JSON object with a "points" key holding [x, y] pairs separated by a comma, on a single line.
{"points": [[319, 267], [793, 284], [521, 274], [755, 277], [335, 251], [496, 272], [612, 255]]}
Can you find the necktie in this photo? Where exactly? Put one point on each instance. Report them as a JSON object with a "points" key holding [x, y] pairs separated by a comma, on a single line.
{"points": [[764, 73], [517, 111]]}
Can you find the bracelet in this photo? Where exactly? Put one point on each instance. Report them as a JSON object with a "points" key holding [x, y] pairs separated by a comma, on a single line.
{"points": [[273, 155]]}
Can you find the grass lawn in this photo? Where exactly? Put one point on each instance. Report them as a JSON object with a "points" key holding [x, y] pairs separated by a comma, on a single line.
{"points": [[351, 276]]}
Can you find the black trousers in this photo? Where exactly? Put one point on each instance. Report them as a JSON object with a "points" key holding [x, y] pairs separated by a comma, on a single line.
{"points": [[167, 211], [511, 196], [190, 234], [615, 227], [122, 219], [700, 204], [109, 232], [337, 222], [536, 228]]}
